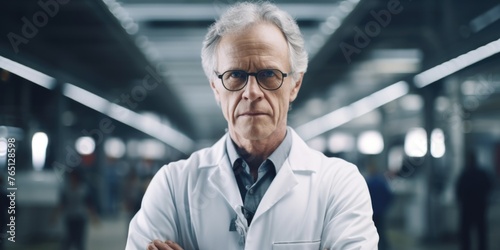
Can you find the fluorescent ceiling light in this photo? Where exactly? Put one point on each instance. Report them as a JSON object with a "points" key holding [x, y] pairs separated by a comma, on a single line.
{"points": [[449, 67], [485, 19], [395, 158], [415, 144], [370, 142], [156, 129], [411, 102], [152, 149], [85, 145], [356, 109], [341, 142], [394, 61], [202, 12], [438, 147], [140, 122], [85, 97], [114, 148], [28, 73], [39, 144], [392, 65]]}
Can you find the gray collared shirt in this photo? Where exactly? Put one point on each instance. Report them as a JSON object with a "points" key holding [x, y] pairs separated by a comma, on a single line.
{"points": [[252, 191]]}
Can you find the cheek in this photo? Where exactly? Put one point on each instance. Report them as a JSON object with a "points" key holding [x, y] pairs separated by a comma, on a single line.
{"points": [[228, 106], [280, 106]]}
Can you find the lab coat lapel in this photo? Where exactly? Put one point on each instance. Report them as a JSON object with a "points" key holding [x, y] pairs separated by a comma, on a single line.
{"points": [[222, 178], [283, 183], [299, 160]]}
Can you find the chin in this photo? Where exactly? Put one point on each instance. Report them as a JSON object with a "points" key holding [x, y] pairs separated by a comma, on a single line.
{"points": [[255, 132]]}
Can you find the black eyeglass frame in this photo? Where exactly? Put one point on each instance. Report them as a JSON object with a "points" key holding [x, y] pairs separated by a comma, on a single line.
{"points": [[283, 75]]}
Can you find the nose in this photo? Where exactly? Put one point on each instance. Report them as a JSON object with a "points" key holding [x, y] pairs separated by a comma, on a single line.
{"points": [[252, 91]]}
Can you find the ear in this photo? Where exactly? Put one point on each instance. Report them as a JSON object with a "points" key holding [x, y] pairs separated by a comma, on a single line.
{"points": [[296, 87], [216, 91]]}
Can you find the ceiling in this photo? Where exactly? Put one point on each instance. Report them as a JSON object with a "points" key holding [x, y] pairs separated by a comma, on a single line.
{"points": [[145, 55]]}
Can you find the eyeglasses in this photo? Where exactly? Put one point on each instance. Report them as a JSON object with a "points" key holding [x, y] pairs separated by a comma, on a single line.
{"points": [[269, 79]]}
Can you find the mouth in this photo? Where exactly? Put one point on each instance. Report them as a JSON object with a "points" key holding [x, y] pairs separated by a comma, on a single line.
{"points": [[252, 114]]}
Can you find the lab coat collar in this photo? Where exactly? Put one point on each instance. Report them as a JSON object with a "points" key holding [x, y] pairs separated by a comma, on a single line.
{"points": [[222, 178], [298, 159]]}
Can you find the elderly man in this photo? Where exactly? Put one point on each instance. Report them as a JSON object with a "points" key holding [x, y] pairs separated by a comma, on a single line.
{"points": [[260, 186]]}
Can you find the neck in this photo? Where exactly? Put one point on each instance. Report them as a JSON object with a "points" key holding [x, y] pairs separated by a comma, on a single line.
{"points": [[254, 152]]}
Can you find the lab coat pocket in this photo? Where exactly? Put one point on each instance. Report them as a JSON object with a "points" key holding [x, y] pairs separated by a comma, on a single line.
{"points": [[302, 245]]}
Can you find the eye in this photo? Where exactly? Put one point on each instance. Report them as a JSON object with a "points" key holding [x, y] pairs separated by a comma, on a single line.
{"points": [[267, 73], [237, 74]]}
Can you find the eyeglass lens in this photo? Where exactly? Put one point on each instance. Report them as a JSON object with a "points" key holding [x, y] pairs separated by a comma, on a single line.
{"points": [[237, 79]]}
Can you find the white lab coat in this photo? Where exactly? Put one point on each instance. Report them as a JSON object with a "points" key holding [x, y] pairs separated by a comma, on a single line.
{"points": [[314, 202]]}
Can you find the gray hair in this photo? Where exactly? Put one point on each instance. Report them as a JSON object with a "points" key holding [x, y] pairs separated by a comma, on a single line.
{"points": [[242, 15]]}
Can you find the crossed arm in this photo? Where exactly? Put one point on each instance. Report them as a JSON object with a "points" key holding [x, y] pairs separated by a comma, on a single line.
{"points": [[163, 245]]}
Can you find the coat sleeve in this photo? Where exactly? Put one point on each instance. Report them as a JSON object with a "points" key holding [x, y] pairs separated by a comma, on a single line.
{"points": [[348, 223], [157, 217]]}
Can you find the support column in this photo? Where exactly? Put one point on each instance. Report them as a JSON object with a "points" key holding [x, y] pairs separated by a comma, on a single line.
{"points": [[453, 119], [432, 194]]}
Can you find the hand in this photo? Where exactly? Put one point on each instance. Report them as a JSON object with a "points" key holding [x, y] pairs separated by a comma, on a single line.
{"points": [[167, 245]]}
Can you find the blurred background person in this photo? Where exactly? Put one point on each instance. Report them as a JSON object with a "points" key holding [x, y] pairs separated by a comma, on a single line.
{"points": [[114, 174], [76, 206], [473, 190], [134, 190], [381, 196]]}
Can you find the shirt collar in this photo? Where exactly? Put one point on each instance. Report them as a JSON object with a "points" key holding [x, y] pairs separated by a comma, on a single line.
{"points": [[278, 157]]}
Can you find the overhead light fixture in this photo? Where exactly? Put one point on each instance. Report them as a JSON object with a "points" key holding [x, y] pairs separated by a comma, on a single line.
{"points": [[449, 67], [126, 116], [27, 73], [3, 152], [142, 12], [341, 142], [156, 129], [393, 61], [370, 142], [356, 109], [152, 149], [39, 144], [486, 19], [122, 15], [85, 145], [411, 102], [85, 97], [415, 144], [114, 147], [395, 158], [438, 146]]}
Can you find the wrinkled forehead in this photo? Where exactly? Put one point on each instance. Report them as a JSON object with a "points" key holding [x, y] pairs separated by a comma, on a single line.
{"points": [[262, 39]]}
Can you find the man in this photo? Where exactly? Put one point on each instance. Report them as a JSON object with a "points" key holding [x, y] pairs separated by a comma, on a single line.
{"points": [[473, 190], [260, 186]]}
